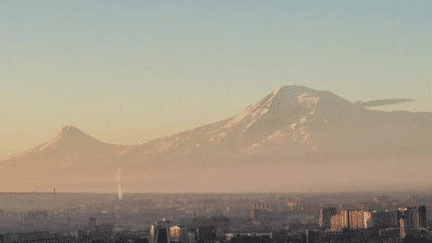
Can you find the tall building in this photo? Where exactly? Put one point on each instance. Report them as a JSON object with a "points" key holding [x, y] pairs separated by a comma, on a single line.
{"points": [[351, 219], [264, 206], [385, 219], [250, 214], [179, 233], [92, 225], [175, 232], [422, 216], [325, 217], [160, 232], [37, 216], [402, 228], [340, 221], [263, 211], [359, 219], [153, 232], [413, 217], [310, 236]]}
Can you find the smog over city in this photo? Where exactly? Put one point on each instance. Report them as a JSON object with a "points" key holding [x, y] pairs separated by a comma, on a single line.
{"points": [[223, 121]]}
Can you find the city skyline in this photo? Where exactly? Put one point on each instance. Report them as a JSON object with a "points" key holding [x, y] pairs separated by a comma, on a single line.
{"points": [[215, 121]]}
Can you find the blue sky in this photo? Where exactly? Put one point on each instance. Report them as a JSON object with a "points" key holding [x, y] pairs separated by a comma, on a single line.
{"points": [[116, 69]]}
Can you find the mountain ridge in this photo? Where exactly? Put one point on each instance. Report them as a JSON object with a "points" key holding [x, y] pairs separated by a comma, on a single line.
{"points": [[289, 114], [292, 126]]}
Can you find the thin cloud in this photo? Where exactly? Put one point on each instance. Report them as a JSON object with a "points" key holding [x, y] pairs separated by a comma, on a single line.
{"points": [[382, 102]]}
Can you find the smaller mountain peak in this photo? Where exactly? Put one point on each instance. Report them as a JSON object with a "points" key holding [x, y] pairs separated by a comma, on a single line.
{"points": [[291, 90], [277, 89], [294, 87], [67, 129]]}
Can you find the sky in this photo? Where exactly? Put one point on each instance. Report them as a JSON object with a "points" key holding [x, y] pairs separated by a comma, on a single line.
{"points": [[126, 72]]}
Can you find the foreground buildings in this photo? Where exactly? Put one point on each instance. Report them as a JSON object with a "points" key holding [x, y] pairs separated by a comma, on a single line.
{"points": [[330, 224]]}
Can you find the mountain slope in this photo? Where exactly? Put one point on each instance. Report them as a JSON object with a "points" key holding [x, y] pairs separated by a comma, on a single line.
{"points": [[72, 150], [291, 123], [294, 134]]}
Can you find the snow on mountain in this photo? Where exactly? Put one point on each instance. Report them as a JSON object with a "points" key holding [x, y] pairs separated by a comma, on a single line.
{"points": [[290, 120], [304, 132]]}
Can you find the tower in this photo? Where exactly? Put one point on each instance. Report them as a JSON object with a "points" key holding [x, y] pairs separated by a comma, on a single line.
{"points": [[55, 198], [162, 232]]}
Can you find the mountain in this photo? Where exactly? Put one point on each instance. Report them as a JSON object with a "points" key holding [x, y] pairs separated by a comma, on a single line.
{"points": [[293, 135], [291, 123], [71, 150]]}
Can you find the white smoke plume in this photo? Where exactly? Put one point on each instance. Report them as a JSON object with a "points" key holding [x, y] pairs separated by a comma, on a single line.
{"points": [[119, 184]]}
